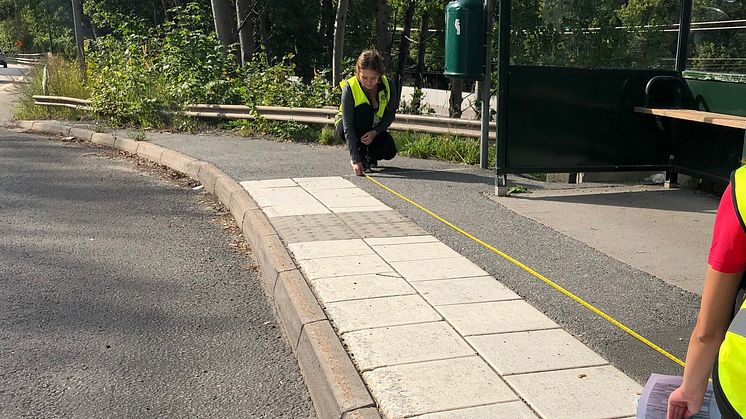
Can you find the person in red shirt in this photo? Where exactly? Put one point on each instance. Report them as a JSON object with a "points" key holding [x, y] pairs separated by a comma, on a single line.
{"points": [[727, 263]]}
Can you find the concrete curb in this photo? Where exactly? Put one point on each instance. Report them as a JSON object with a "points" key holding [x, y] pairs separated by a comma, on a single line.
{"points": [[336, 388]]}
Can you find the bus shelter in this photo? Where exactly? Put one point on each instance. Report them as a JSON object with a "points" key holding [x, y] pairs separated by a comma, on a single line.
{"points": [[609, 85]]}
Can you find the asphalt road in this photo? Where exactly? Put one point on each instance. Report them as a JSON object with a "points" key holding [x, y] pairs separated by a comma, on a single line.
{"points": [[123, 294], [663, 313]]}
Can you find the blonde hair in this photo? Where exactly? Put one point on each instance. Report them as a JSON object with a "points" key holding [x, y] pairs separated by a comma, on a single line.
{"points": [[370, 59]]}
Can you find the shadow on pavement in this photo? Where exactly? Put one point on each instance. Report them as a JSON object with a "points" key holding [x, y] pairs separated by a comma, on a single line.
{"points": [[681, 200]]}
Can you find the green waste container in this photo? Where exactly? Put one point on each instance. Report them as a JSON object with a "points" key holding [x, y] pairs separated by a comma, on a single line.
{"points": [[465, 39]]}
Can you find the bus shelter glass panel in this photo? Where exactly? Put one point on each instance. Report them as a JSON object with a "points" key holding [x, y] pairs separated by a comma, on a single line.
{"points": [[634, 34], [717, 37]]}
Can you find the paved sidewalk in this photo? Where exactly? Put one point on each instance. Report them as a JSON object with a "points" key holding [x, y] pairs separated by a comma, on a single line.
{"points": [[433, 334]]}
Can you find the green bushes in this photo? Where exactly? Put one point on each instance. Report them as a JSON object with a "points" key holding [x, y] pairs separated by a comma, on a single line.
{"points": [[145, 77]]}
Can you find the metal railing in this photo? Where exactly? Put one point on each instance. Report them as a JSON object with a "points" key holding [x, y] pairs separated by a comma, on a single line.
{"points": [[27, 59], [324, 116]]}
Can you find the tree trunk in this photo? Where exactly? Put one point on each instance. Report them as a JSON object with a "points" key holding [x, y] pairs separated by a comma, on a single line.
{"points": [[49, 29], [222, 15], [78, 23], [245, 29], [326, 20], [264, 33], [304, 40], [454, 102], [404, 44], [339, 40], [419, 80], [383, 42], [326, 33]]}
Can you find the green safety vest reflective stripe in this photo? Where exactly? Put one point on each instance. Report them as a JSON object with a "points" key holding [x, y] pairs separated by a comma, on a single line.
{"points": [[360, 98], [732, 355]]}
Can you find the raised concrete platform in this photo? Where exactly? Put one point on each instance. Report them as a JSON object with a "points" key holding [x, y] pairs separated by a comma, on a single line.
{"points": [[432, 334]]}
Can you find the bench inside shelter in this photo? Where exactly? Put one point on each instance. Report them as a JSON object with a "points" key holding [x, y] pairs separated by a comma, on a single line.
{"points": [[687, 105]]}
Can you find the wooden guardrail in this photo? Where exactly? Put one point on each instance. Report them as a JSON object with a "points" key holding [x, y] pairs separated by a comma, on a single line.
{"points": [[324, 116]]}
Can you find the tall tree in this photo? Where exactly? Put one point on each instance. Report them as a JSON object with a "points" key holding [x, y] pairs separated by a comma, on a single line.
{"points": [[455, 99], [339, 40], [383, 42], [78, 23], [222, 15], [424, 36], [245, 29], [404, 43], [264, 32]]}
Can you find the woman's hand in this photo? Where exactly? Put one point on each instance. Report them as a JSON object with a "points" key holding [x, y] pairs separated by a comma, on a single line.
{"points": [[357, 167], [683, 405], [368, 137]]}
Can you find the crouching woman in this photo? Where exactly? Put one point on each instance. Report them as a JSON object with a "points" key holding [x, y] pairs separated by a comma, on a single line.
{"points": [[369, 103]]}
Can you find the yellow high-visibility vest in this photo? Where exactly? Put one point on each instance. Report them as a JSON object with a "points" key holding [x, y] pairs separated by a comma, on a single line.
{"points": [[360, 98], [731, 370]]}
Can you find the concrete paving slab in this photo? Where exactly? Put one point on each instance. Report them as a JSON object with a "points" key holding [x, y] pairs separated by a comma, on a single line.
{"points": [[339, 193], [286, 210], [343, 266], [383, 241], [387, 346], [458, 267], [495, 317], [359, 287], [329, 248], [415, 251], [271, 197], [354, 315], [324, 182], [434, 386], [252, 185], [508, 410], [272, 192], [534, 351], [596, 392], [464, 290]]}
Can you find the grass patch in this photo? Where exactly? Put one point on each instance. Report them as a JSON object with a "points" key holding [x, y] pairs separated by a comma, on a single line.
{"points": [[447, 148], [328, 137], [63, 80]]}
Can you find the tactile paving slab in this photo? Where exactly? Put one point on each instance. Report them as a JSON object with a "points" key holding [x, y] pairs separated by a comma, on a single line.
{"points": [[371, 217], [313, 227], [370, 224]]}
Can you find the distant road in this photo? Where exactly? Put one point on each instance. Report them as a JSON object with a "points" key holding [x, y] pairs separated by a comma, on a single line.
{"points": [[14, 73]]}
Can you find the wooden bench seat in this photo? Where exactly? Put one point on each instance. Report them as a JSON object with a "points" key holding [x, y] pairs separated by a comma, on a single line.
{"points": [[721, 119]]}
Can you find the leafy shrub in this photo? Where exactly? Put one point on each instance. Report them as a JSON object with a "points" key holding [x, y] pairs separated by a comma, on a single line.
{"points": [[143, 77], [277, 85]]}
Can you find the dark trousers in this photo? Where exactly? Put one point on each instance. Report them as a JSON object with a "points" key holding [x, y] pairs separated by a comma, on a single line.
{"points": [[382, 147]]}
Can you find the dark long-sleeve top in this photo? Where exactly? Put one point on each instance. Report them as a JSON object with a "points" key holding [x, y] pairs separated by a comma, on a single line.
{"points": [[348, 116]]}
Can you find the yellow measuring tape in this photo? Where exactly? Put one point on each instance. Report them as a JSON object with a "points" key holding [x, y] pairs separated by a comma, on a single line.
{"points": [[549, 282]]}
